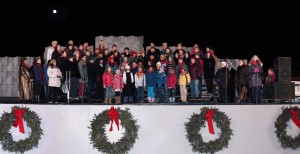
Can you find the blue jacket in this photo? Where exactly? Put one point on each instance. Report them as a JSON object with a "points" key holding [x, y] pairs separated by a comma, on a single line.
{"points": [[161, 80], [151, 79]]}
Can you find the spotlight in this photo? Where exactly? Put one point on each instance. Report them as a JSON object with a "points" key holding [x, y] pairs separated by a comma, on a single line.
{"points": [[54, 11]]}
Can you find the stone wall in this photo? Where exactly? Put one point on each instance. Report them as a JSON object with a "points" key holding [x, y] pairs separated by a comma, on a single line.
{"points": [[9, 76]]}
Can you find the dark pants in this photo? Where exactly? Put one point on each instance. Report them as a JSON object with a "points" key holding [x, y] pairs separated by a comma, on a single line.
{"points": [[38, 89], [222, 93], [99, 91], [171, 92], [73, 87], [91, 87], [140, 94], [53, 92], [209, 84], [161, 94], [256, 94]]}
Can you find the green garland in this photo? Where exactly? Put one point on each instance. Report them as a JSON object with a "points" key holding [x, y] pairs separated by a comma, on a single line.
{"points": [[99, 139], [197, 121], [33, 121], [281, 124]]}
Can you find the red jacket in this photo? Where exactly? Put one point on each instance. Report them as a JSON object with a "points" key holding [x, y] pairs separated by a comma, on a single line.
{"points": [[171, 81], [118, 82], [107, 79]]}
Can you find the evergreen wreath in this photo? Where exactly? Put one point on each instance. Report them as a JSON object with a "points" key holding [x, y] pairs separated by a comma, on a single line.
{"points": [[33, 122], [98, 136], [281, 124], [197, 121]]}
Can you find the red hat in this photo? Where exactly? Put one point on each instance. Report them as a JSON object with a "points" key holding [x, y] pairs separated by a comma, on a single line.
{"points": [[132, 53], [211, 52]]}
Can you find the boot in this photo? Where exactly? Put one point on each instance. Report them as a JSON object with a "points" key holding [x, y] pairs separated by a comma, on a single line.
{"points": [[118, 99], [106, 100]]}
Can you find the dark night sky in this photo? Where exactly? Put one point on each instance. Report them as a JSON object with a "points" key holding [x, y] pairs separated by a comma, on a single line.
{"points": [[234, 32]]}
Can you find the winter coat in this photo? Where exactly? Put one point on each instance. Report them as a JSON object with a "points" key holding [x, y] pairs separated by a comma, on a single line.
{"points": [[255, 77], [107, 79], [25, 85], [171, 81], [161, 79], [54, 80], [209, 67], [151, 79], [184, 79], [221, 78], [140, 81], [241, 76], [195, 71], [118, 83], [83, 71], [129, 84], [38, 74]]}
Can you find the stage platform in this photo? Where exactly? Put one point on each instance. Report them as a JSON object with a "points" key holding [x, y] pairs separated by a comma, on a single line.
{"points": [[162, 131]]}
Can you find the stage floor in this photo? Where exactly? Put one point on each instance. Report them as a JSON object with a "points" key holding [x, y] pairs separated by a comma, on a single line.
{"points": [[15, 100]]}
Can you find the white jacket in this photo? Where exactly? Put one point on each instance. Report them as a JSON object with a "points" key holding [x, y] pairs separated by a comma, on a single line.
{"points": [[54, 81], [140, 82]]}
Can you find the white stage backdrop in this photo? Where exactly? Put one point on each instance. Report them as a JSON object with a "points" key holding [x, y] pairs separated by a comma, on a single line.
{"points": [[162, 129]]}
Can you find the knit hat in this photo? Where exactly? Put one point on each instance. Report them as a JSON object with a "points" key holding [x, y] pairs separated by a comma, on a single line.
{"points": [[158, 63], [185, 68], [132, 53], [223, 63], [127, 67]]}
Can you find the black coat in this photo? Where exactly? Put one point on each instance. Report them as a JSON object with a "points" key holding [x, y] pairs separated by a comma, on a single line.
{"points": [[209, 67], [241, 76]]}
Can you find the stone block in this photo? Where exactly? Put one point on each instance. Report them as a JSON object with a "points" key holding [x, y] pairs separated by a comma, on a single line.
{"points": [[117, 39], [10, 66], [140, 39], [123, 39], [16, 60], [109, 39], [4, 60], [9, 80], [1, 67], [4, 86]]}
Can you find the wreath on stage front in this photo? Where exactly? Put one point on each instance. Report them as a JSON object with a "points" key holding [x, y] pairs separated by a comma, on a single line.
{"points": [[197, 121], [99, 138], [15, 118], [281, 124]]}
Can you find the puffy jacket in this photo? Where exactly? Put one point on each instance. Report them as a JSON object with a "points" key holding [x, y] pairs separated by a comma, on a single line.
{"points": [[161, 79], [171, 81], [107, 79], [118, 82], [184, 79], [151, 79], [54, 81]]}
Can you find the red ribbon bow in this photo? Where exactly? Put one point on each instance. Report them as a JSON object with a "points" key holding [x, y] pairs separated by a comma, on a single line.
{"points": [[19, 122], [114, 116], [209, 115], [294, 115]]}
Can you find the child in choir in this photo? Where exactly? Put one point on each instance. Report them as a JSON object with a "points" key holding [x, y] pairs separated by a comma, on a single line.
{"points": [[184, 81], [118, 85], [161, 84], [140, 83], [108, 84], [171, 84], [151, 79], [129, 85]]}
